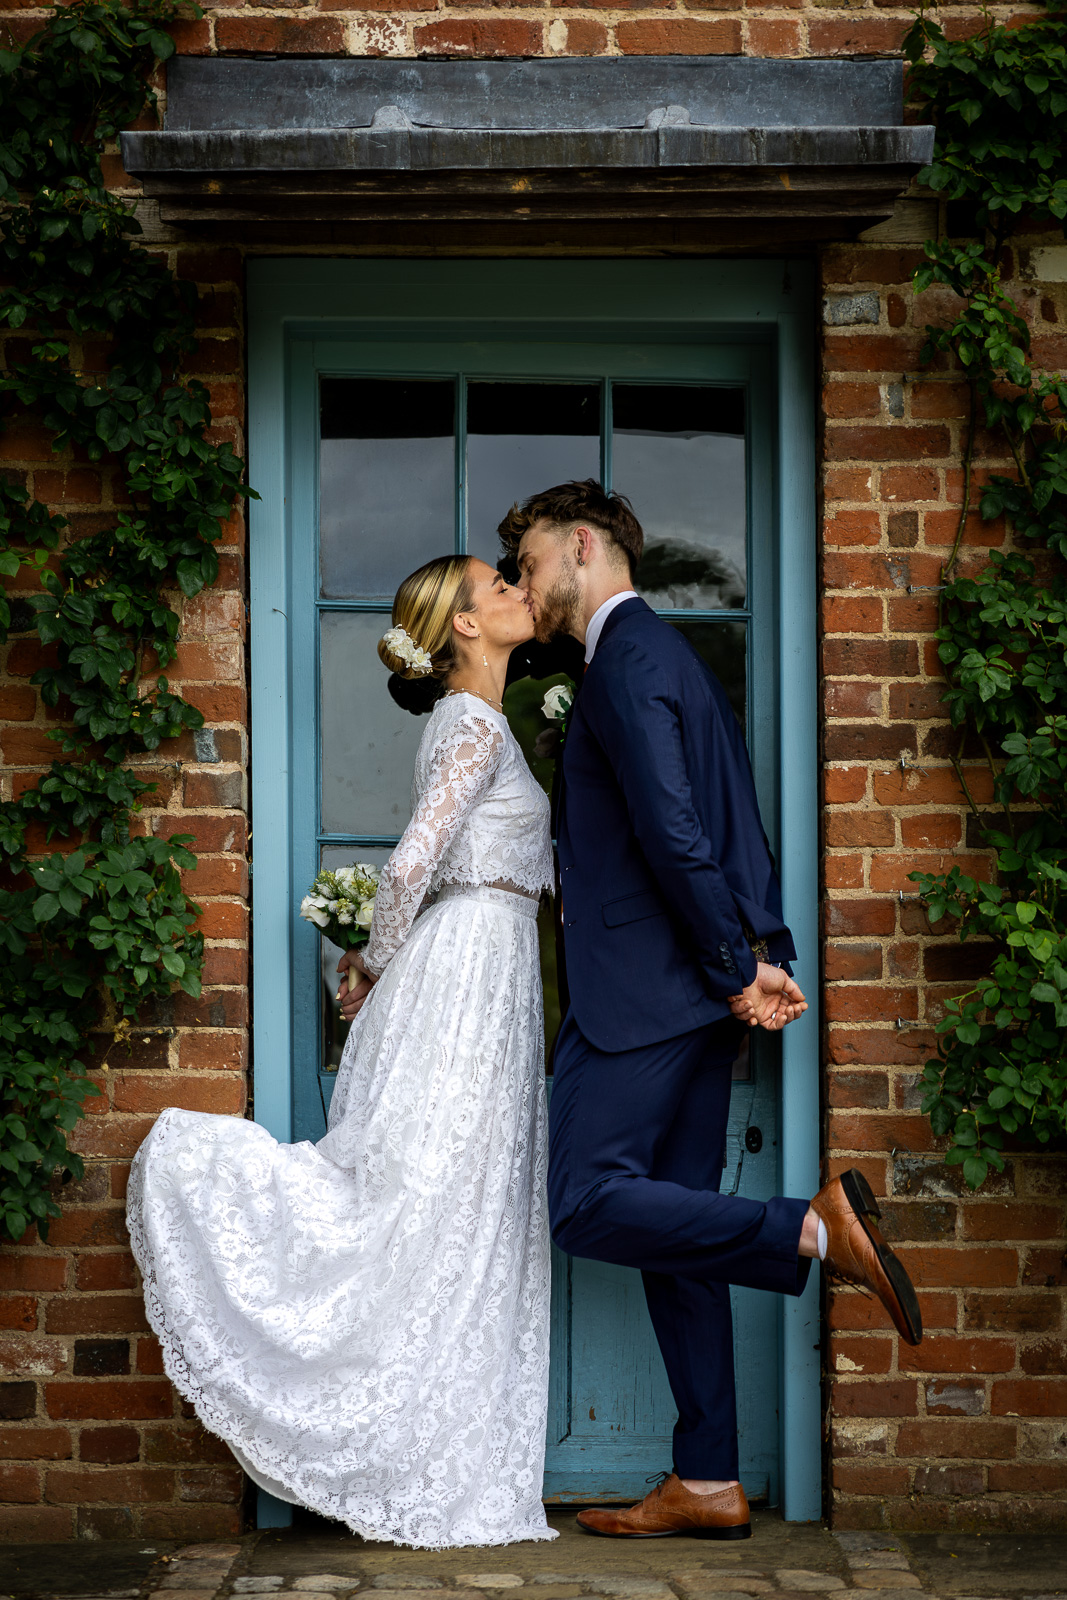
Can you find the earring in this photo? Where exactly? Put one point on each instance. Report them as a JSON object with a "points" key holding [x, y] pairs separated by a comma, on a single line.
{"points": [[484, 661], [581, 560]]}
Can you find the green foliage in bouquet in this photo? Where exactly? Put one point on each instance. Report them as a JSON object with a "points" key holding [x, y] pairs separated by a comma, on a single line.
{"points": [[109, 921], [999, 100]]}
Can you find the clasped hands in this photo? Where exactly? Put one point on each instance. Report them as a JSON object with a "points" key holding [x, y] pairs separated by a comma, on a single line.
{"points": [[770, 1001], [357, 982]]}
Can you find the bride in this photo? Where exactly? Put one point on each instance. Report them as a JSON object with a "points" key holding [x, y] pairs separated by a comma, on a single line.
{"points": [[365, 1320]]}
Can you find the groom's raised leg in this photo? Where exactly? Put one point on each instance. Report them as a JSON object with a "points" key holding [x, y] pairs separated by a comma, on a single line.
{"points": [[610, 1115]]}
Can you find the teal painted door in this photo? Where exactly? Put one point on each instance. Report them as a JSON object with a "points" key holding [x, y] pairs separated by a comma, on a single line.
{"points": [[402, 450]]}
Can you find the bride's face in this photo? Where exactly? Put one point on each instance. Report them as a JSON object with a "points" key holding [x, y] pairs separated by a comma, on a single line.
{"points": [[500, 613]]}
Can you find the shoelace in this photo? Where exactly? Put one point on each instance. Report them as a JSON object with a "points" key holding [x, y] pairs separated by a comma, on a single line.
{"points": [[659, 1479]]}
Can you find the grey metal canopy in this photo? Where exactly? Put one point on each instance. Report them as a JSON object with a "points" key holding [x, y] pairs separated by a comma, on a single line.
{"points": [[311, 129]]}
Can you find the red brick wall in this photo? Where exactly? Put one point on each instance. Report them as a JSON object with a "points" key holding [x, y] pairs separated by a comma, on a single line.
{"points": [[969, 1429], [93, 1440]]}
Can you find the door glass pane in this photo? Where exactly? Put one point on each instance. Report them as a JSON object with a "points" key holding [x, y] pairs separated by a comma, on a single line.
{"points": [[335, 1028], [386, 482], [678, 452], [724, 647], [523, 437], [368, 743]]}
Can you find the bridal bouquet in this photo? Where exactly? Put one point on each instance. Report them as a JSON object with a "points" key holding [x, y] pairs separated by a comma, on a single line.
{"points": [[341, 903], [556, 708]]}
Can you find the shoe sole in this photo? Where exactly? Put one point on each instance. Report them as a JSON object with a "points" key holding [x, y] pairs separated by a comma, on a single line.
{"points": [[861, 1199], [742, 1530]]}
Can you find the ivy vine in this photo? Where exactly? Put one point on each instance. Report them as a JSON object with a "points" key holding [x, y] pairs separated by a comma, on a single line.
{"points": [[101, 925], [999, 100]]}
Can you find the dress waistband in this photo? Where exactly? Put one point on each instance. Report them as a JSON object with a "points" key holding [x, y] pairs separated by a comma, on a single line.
{"points": [[521, 904]]}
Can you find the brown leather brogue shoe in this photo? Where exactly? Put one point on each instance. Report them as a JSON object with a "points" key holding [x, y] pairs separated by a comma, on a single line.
{"points": [[857, 1253], [671, 1508]]}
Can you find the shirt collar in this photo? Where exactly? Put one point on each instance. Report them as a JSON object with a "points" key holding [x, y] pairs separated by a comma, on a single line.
{"points": [[599, 617]]}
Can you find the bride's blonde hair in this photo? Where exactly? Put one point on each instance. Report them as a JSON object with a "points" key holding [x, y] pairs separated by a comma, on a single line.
{"points": [[424, 607]]}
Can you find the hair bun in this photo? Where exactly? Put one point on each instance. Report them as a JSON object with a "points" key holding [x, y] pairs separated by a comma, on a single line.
{"points": [[417, 695]]}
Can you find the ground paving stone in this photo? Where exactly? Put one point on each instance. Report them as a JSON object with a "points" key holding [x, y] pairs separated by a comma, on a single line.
{"points": [[885, 1578], [324, 1580]]}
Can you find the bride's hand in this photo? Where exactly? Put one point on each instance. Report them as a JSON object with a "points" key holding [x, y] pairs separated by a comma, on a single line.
{"points": [[357, 984]]}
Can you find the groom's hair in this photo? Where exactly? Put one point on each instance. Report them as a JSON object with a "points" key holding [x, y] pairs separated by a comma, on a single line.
{"points": [[568, 504]]}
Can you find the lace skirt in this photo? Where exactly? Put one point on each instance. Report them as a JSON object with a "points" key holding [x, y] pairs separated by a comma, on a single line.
{"points": [[365, 1321]]}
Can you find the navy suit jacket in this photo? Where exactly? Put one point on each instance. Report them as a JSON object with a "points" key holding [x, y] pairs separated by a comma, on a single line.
{"points": [[665, 869]]}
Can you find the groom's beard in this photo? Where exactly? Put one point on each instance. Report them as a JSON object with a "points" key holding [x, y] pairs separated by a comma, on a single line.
{"points": [[559, 610]]}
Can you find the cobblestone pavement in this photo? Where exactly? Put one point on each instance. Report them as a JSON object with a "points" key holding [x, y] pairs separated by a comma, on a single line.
{"points": [[316, 1561]]}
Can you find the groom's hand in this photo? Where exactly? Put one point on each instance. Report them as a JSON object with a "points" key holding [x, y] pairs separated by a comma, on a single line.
{"points": [[771, 1001], [356, 985]]}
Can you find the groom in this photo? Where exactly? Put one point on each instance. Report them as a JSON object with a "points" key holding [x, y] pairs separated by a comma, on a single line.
{"points": [[674, 943]]}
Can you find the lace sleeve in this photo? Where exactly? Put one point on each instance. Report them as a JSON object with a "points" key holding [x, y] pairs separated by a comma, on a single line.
{"points": [[460, 770]]}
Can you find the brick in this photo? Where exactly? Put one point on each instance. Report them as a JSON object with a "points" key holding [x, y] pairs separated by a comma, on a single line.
{"points": [[915, 1220], [110, 1445], [106, 1313], [962, 1269], [945, 1354], [184, 1444], [888, 443], [214, 1485], [866, 1003], [853, 962], [903, 529], [1024, 1478], [917, 702], [280, 35], [215, 791], [1021, 1311], [854, 400], [679, 37], [911, 483], [949, 1480], [950, 962], [859, 741], [19, 1485], [101, 1357], [35, 1444], [935, 786], [17, 1400], [777, 38], [225, 832], [1047, 1268], [894, 872], [891, 1397], [864, 1477], [1007, 1219], [222, 1096], [35, 1524], [956, 1397], [862, 1354], [224, 919], [117, 1399], [849, 828], [843, 872], [17, 704], [871, 353], [203, 1051], [851, 614], [191, 1522], [1044, 1356], [847, 483], [850, 699], [90, 1227], [18, 1311], [150, 1356], [843, 918], [872, 1167], [948, 1437], [486, 38], [852, 1311], [931, 830], [870, 658], [121, 1486], [21, 1270], [1029, 1397]]}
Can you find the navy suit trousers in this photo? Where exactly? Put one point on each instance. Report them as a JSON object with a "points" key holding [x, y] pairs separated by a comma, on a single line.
{"points": [[637, 1142]]}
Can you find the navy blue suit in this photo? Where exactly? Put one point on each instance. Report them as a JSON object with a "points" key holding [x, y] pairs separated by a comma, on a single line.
{"points": [[667, 883]]}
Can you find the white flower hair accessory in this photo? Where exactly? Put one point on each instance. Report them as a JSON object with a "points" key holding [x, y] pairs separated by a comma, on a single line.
{"points": [[400, 642]]}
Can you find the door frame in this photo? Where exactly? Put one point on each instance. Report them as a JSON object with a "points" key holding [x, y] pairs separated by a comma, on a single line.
{"points": [[298, 295]]}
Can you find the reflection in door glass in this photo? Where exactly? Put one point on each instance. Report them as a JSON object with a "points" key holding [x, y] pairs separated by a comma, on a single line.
{"points": [[678, 452], [386, 482], [335, 1028], [368, 743], [723, 646], [523, 437]]}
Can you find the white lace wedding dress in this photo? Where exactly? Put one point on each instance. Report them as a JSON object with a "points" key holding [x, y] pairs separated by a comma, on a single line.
{"points": [[365, 1320]]}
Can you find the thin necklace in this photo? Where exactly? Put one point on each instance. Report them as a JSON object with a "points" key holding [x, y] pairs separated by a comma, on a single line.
{"points": [[498, 704]]}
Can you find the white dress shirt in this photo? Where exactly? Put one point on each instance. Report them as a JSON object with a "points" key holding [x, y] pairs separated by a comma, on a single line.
{"points": [[599, 617]]}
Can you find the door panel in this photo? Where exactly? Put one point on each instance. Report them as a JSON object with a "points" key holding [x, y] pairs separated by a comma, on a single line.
{"points": [[413, 450]]}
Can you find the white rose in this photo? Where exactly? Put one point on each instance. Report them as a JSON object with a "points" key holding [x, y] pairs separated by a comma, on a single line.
{"points": [[365, 914], [557, 702]]}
